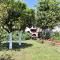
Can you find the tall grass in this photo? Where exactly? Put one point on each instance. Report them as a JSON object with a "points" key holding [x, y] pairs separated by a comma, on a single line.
{"points": [[56, 36]]}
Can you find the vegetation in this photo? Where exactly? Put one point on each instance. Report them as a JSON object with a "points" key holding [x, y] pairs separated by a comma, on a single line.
{"points": [[33, 50], [27, 36], [15, 16], [56, 36], [5, 57], [48, 13]]}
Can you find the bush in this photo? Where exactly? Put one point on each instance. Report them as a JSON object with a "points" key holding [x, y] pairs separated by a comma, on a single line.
{"points": [[3, 35], [56, 36], [26, 35], [48, 35], [5, 57], [15, 35], [0, 39]]}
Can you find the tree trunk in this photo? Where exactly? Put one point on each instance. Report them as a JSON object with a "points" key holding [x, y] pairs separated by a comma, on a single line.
{"points": [[20, 37], [10, 40]]}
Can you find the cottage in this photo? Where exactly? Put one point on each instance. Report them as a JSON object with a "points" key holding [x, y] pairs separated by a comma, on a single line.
{"points": [[34, 31]]}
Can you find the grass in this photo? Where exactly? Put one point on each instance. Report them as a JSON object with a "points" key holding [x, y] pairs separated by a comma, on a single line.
{"points": [[57, 38], [33, 50]]}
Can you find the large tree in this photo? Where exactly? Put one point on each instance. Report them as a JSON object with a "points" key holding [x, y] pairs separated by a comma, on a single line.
{"points": [[28, 18], [48, 13], [10, 12], [15, 16]]}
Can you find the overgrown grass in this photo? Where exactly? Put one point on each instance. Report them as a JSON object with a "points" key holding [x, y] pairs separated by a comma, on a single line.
{"points": [[34, 50], [56, 36]]}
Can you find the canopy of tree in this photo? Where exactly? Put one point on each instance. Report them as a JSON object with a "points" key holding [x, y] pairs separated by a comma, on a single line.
{"points": [[48, 13], [14, 15]]}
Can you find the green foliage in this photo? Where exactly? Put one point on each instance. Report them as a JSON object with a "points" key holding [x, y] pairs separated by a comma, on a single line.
{"points": [[56, 36], [26, 36], [48, 35], [5, 57], [48, 13], [15, 36], [33, 50], [27, 18], [14, 15], [3, 35]]}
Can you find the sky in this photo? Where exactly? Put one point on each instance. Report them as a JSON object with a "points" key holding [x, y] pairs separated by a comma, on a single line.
{"points": [[30, 3]]}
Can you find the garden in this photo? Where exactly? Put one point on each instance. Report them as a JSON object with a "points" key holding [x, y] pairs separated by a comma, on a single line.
{"points": [[16, 44]]}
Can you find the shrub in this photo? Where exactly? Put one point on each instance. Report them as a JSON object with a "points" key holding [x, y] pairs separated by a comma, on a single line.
{"points": [[3, 35], [0, 39], [5, 57], [48, 35], [15, 35], [26, 35], [56, 36]]}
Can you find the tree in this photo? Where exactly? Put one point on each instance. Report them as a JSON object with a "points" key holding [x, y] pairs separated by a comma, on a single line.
{"points": [[10, 12], [48, 13], [14, 16], [28, 18]]}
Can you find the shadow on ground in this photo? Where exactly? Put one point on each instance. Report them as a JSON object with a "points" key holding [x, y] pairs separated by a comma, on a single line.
{"points": [[15, 46]]}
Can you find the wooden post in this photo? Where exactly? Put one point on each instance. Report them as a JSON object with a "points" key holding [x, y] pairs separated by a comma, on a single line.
{"points": [[20, 37], [10, 40]]}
